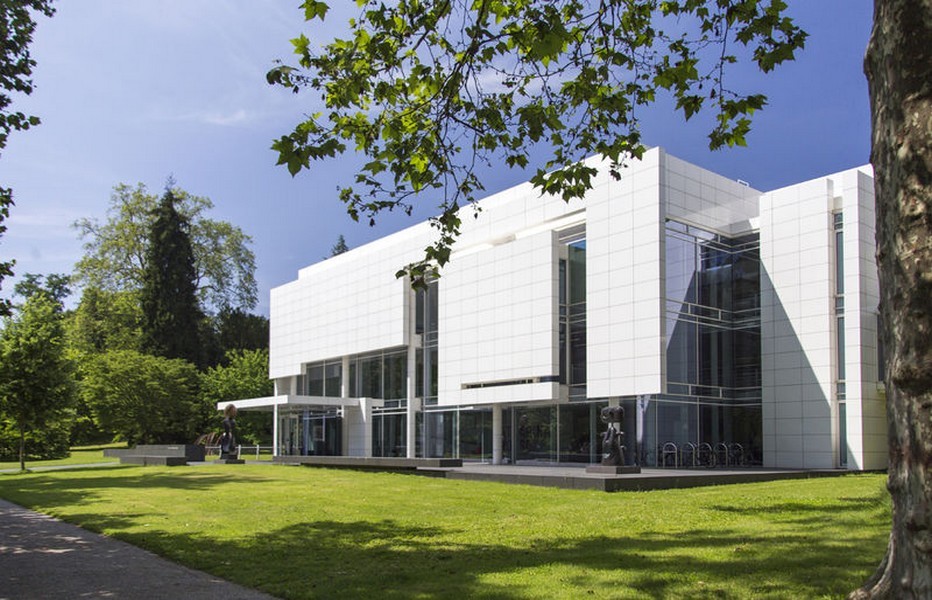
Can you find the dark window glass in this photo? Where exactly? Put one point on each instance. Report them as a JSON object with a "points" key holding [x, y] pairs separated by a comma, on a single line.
{"points": [[842, 434], [577, 267], [840, 341], [419, 312], [333, 375], [315, 380], [431, 309], [475, 434], [395, 374], [536, 434], [439, 432], [370, 373]]}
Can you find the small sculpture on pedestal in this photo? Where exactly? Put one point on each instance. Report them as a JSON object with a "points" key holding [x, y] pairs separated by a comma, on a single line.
{"points": [[613, 455], [228, 453]]}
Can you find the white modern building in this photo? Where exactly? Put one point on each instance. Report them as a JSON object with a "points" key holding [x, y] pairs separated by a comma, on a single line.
{"points": [[733, 325]]}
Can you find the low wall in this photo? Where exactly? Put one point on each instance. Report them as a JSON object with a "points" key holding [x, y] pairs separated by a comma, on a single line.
{"points": [[191, 452]]}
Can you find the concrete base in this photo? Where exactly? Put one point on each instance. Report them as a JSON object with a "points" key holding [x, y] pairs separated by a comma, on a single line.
{"points": [[361, 462], [150, 461], [230, 461], [189, 452], [616, 470]]}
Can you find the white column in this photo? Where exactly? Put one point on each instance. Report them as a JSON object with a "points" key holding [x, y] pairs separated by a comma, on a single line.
{"points": [[345, 382], [497, 434], [275, 452], [412, 403], [365, 406]]}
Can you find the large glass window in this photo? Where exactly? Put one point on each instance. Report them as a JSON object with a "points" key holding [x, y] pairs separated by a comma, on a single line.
{"points": [[475, 440], [536, 434], [315, 380], [712, 320], [439, 433], [389, 433], [383, 375], [333, 380], [838, 224], [324, 379], [427, 317], [572, 326], [712, 314]]}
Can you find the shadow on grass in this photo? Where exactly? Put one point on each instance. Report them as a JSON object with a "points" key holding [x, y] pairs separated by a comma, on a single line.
{"points": [[84, 485], [811, 550], [331, 559]]}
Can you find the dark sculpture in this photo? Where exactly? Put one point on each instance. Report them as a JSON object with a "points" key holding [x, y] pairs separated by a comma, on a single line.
{"points": [[228, 439], [613, 454]]}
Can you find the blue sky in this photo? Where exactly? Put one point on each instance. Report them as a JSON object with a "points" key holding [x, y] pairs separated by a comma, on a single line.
{"points": [[137, 91]]}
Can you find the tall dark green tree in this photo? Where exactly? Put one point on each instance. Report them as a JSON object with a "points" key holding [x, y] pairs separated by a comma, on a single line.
{"points": [[171, 315], [17, 27]]}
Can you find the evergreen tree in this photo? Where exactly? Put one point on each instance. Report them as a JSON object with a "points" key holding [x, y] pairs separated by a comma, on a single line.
{"points": [[340, 247], [170, 312]]}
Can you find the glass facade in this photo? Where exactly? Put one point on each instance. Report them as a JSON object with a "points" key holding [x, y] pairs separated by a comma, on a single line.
{"points": [[709, 412], [324, 379], [712, 328], [572, 322], [380, 375]]}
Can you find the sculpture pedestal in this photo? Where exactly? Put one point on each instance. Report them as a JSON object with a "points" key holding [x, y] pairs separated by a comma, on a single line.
{"points": [[230, 461], [613, 470]]}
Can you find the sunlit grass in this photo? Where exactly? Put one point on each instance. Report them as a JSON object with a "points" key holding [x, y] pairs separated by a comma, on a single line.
{"points": [[298, 532], [80, 455]]}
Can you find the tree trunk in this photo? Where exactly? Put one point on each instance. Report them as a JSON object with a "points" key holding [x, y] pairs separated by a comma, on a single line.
{"points": [[899, 73], [22, 447]]}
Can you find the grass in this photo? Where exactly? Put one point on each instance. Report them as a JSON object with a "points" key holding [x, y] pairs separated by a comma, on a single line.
{"points": [[297, 532], [80, 455]]}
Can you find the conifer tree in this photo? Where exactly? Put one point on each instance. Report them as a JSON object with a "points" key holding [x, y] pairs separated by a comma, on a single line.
{"points": [[171, 314]]}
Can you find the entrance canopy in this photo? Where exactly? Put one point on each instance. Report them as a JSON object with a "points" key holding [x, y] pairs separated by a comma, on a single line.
{"points": [[356, 413], [294, 400]]}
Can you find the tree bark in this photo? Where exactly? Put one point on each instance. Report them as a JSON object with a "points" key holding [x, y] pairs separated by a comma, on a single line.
{"points": [[22, 447], [899, 72]]}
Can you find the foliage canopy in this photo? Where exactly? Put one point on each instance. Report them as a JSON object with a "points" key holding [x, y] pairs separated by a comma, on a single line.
{"points": [[429, 90], [36, 383], [115, 250], [16, 64]]}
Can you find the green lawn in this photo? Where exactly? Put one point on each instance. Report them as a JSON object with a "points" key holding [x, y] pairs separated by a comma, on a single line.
{"points": [[298, 532], [80, 455]]}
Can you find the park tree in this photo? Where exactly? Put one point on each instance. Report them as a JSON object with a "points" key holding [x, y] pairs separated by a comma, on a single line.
{"points": [[115, 251], [36, 383], [899, 73], [143, 399], [171, 315], [16, 64], [428, 90], [56, 286], [105, 320]]}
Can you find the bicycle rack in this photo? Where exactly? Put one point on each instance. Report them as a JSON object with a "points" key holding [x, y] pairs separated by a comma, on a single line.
{"points": [[721, 449], [705, 455], [669, 449], [691, 450], [736, 451]]}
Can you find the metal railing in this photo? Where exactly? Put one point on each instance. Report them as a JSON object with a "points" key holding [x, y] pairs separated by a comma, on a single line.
{"points": [[240, 448]]}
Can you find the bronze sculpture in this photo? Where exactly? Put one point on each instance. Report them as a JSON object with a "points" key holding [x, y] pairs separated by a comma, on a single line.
{"points": [[613, 454]]}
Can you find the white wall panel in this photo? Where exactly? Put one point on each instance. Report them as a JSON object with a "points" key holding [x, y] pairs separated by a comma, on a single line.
{"points": [[494, 329]]}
